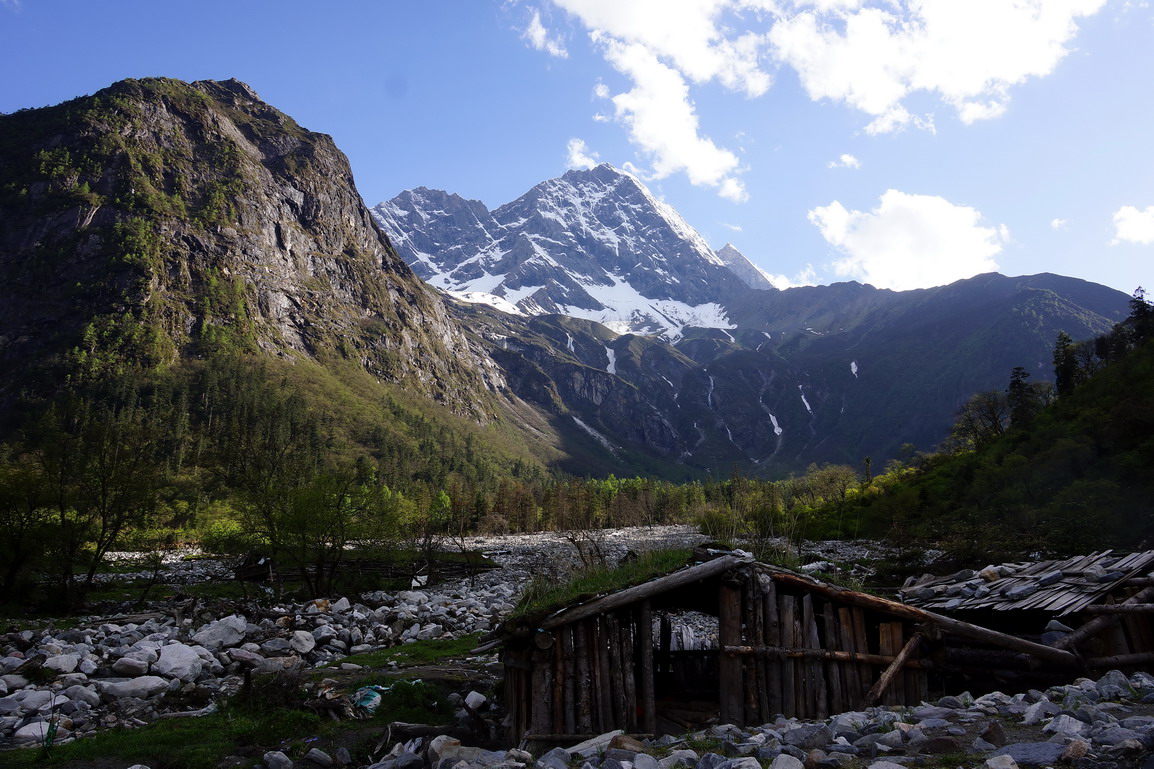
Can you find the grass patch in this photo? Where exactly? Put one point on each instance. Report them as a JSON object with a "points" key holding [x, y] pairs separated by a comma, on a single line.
{"points": [[241, 728], [415, 653], [182, 743], [543, 596]]}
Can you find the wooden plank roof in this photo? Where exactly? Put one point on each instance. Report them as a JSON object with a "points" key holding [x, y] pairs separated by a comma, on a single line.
{"points": [[1059, 587]]}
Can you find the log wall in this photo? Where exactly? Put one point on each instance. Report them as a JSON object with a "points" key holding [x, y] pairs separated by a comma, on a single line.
{"points": [[782, 650]]}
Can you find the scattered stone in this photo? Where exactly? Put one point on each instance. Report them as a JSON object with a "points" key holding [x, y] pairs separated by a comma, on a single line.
{"points": [[319, 757], [785, 761], [1032, 753], [274, 759], [302, 641]]}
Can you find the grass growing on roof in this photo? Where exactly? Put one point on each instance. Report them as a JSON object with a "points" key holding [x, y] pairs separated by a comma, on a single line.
{"points": [[543, 596]]}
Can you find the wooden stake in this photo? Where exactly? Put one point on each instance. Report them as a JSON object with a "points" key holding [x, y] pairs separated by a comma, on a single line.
{"points": [[789, 705], [773, 681], [891, 672], [832, 667]]}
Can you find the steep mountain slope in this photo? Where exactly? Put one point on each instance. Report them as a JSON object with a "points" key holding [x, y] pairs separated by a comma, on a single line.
{"points": [[591, 244], [767, 380], [157, 219]]}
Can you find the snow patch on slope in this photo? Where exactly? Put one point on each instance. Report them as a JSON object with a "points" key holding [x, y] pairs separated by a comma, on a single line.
{"points": [[803, 400], [596, 435]]}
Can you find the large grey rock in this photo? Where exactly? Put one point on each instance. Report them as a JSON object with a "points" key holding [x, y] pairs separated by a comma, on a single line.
{"points": [[130, 667], [1040, 711], [408, 760], [786, 761], [646, 761], [62, 663], [319, 757], [82, 694], [178, 661], [557, 758], [274, 759], [1117, 735], [302, 641], [222, 633], [1067, 726], [808, 736], [142, 687], [1032, 753], [679, 759], [324, 633], [37, 732]]}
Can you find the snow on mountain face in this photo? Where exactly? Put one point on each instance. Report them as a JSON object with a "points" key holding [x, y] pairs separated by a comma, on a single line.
{"points": [[592, 244]]}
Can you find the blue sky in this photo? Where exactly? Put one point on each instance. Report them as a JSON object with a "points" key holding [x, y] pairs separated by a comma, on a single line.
{"points": [[903, 143]]}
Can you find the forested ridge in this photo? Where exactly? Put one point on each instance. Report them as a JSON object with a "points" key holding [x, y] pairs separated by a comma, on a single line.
{"points": [[1035, 470]]}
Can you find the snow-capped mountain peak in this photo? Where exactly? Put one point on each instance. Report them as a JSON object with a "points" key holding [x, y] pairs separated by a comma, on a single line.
{"points": [[594, 244]]}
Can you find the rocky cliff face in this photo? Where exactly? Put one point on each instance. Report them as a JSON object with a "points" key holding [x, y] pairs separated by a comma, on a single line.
{"points": [[157, 219]]}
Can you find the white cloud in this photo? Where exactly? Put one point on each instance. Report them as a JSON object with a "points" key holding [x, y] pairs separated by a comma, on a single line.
{"points": [[728, 226], [909, 241], [969, 53], [663, 123], [844, 161], [1133, 225], [807, 277], [580, 156], [663, 47], [1058, 224], [538, 37], [686, 33], [871, 55]]}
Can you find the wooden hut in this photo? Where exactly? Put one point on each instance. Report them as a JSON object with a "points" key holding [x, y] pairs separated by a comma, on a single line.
{"points": [[1105, 601], [785, 643]]}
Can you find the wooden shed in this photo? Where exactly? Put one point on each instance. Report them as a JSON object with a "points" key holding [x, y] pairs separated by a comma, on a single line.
{"points": [[785, 643], [1105, 600]]}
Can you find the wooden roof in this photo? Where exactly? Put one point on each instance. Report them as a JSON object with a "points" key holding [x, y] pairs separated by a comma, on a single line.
{"points": [[1058, 587]]}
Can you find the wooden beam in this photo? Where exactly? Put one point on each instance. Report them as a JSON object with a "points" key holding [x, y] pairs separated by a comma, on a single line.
{"points": [[781, 653], [1120, 660], [949, 624], [649, 589], [1102, 621], [1119, 608], [891, 672]]}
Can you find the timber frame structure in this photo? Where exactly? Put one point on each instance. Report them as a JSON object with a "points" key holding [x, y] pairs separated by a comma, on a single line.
{"points": [[786, 644]]}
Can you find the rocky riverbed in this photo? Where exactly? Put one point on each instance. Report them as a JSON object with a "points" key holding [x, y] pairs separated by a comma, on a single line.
{"points": [[181, 658]]}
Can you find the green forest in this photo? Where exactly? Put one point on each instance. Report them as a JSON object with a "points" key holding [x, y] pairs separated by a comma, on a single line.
{"points": [[241, 453]]}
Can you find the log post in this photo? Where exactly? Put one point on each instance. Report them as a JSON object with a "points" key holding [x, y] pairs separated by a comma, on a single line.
{"points": [[583, 688], [569, 685], [789, 703], [729, 634], [772, 638], [837, 703], [648, 696]]}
